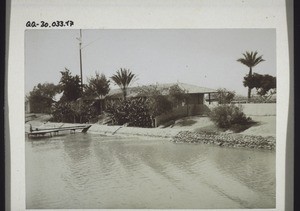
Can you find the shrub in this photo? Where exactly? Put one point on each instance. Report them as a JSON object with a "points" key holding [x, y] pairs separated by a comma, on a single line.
{"points": [[177, 95], [134, 112], [230, 117], [157, 103], [73, 112], [223, 96]]}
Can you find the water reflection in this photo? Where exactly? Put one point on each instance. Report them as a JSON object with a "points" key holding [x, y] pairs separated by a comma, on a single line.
{"points": [[93, 171], [255, 170], [76, 156], [77, 147]]}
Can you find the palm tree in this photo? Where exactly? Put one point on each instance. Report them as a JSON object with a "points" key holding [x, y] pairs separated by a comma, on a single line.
{"points": [[98, 86], [250, 60], [123, 78]]}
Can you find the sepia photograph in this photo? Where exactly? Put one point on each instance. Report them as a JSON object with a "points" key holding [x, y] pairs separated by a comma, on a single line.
{"points": [[150, 118]]}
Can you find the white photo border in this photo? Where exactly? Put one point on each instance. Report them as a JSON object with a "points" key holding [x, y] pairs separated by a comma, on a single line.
{"points": [[143, 14]]}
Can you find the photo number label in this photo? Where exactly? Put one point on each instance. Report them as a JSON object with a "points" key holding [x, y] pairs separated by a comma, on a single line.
{"points": [[54, 24]]}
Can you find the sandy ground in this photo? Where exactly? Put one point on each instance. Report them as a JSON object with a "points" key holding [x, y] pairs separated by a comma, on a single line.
{"points": [[266, 126]]}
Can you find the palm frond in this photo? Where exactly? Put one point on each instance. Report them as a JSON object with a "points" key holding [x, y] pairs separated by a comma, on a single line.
{"points": [[254, 55], [250, 59], [258, 60], [123, 78]]}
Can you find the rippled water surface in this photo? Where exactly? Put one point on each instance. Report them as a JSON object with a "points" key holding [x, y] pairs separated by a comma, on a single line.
{"points": [[93, 171]]}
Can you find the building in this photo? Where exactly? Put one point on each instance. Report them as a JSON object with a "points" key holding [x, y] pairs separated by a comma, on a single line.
{"points": [[196, 94], [194, 103]]}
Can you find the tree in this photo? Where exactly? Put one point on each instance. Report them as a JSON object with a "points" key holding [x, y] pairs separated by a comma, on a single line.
{"points": [[224, 96], [177, 95], [250, 60], [252, 81], [123, 78], [157, 103], [41, 97], [265, 85], [70, 85], [98, 86]]}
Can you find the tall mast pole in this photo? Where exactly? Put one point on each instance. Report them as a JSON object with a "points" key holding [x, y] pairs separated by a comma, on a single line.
{"points": [[80, 57]]}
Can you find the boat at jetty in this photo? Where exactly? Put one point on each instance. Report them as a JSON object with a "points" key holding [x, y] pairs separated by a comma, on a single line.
{"points": [[55, 131]]}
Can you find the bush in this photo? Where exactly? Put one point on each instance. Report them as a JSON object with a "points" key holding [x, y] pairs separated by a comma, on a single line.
{"points": [[134, 112], [230, 117], [157, 103], [73, 112], [224, 96]]}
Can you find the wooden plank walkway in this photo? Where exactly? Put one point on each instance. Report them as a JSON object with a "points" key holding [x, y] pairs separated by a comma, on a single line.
{"points": [[54, 131]]}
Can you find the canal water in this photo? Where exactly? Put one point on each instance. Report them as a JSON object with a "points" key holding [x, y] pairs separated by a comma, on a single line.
{"points": [[92, 171]]}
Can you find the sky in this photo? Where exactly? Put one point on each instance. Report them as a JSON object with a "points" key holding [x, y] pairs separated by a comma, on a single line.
{"points": [[203, 57]]}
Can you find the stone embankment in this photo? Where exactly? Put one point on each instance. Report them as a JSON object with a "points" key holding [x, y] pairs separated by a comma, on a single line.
{"points": [[175, 135], [228, 140], [134, 131]]}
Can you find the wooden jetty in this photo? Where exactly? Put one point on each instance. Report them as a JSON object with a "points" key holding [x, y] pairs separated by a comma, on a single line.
{"points": [[55, 131]]}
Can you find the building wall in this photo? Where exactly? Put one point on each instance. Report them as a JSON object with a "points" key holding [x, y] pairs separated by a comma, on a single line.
{"points": [[196, 98]]}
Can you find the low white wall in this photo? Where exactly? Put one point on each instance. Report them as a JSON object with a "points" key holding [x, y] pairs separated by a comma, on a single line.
{"points": [[256, 109], [260, 109]]}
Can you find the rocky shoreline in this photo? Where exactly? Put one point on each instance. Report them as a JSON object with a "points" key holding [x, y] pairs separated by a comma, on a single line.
{"points": [[178, 135], [227, 140]]}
